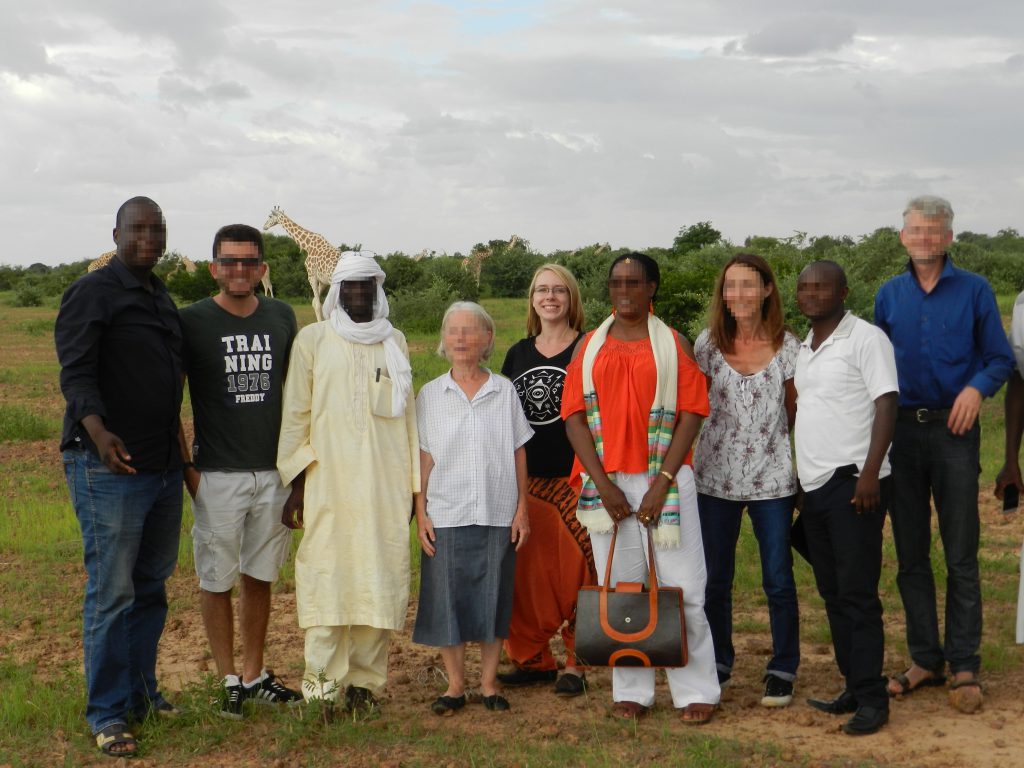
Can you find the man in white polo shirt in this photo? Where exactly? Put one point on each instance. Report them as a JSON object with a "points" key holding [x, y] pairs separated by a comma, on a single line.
{"points": [[846, 412]]}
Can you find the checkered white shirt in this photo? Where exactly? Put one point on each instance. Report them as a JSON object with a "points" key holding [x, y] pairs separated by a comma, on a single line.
{"points": [[473, 444]]}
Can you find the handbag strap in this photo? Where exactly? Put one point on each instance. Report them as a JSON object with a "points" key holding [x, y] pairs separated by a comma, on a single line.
{"points": [[651, 565]]}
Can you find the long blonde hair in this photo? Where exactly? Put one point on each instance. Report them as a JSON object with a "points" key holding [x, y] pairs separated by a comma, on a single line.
{"points": [[575, 314]]}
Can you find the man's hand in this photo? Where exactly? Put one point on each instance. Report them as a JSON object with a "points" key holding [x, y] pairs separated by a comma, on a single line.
{"points": [[964, 411], [1008, 475], [113, 453], [192, 477], [292, 514], [867, 494], [614, 501]]}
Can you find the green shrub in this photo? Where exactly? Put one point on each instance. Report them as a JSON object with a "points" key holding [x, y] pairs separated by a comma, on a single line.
{"points": [[421, 311], [17, 423], [27, 295]]}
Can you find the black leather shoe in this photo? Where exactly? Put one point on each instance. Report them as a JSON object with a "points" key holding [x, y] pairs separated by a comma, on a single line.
{"points": [[843, 704], [866, 720], [520, 676]]}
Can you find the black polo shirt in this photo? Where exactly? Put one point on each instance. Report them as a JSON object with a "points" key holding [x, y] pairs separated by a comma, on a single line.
{"points": [[120, 351]]}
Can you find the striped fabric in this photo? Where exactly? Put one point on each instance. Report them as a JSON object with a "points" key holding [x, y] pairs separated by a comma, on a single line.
{"points": [[660, 426]]}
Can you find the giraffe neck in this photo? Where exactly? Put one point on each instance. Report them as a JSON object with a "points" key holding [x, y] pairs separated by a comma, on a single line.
{"points": [[301, 236]]}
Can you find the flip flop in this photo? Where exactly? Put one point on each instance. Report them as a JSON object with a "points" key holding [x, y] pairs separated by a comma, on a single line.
{"points": [[698, 714], [933, 681], [629, 710]]}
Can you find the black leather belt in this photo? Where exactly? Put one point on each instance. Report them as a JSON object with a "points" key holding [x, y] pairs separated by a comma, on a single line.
{"points": [[923, 415]]}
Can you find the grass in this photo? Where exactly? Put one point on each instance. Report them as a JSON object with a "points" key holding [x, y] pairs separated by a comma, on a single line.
{"points": [[40, 607], [19, 423]]}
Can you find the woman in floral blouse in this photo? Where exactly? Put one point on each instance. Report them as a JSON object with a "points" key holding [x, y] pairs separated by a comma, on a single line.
{"points": [[743, 460]]}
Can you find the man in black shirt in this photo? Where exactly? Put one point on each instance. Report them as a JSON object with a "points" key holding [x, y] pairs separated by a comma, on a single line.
{"points": [[119, 345]]}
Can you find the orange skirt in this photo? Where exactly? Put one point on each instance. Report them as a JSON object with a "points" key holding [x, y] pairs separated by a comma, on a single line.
{"points": [[550, 569]]}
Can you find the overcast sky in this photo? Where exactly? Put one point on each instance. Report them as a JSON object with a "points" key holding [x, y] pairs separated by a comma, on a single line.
{"points": [[411, 125]]}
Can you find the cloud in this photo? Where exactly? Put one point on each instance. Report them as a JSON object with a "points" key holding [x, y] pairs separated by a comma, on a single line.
{"points": [[177, 90], [800, 36]]}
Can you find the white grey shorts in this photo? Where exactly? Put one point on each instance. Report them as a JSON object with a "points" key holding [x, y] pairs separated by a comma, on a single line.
{"points": [[238, 527]]}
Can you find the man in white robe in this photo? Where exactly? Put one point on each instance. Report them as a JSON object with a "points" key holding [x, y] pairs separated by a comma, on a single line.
{"points": [[349, 448]]}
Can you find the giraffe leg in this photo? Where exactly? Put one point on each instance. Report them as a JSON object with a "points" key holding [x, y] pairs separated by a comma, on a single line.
{"points": [[315, 285]]}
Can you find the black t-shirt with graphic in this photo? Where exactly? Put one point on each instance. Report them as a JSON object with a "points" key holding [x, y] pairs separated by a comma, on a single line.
{"points": [[539, 381], [236, 368]]}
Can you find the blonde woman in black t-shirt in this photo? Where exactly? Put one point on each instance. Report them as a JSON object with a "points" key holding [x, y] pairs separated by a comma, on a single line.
{"points": [[557, 560]]}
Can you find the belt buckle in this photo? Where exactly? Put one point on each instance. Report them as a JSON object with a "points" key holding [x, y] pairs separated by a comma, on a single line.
{"points": [[921, 416]]}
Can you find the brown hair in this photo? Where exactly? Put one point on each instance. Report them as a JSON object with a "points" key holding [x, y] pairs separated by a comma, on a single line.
{"points": [[575, 314], [721, 323]]}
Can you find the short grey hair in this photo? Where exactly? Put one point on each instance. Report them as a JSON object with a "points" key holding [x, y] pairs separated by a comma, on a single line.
{"points": [[930, 206], [486, 321]]}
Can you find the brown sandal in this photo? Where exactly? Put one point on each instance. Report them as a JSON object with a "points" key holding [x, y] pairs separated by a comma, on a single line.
{"points": [[698, 714], [629, 710]]}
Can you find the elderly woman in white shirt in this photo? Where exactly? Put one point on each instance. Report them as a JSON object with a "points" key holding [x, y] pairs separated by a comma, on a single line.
{"points": [[471, 513]]}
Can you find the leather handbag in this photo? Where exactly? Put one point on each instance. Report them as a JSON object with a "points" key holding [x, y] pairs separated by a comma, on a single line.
{"points": [[629, 625]]}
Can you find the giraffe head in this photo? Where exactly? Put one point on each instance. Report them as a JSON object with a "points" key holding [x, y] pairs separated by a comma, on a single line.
{"points": [[276, 217]]}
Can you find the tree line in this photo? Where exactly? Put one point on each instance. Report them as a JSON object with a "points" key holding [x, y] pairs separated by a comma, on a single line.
{"points": [[420, 288]]}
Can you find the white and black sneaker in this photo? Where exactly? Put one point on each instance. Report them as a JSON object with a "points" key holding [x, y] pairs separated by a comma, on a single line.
{"points": [[232, 698], [269, 690], [777, 692]]}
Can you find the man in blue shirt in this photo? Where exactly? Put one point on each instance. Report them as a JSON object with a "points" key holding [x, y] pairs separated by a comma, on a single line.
{"points": [[951, 352]]}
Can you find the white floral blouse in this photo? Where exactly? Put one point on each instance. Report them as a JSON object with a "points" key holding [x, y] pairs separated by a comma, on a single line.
{"points": [[743, 452]]}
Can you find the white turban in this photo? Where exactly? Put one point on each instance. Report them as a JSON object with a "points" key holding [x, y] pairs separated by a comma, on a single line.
{"points": [[356, 265]]}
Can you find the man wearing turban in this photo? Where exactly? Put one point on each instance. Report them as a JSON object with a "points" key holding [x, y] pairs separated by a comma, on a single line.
{"points": [[350, 449]]}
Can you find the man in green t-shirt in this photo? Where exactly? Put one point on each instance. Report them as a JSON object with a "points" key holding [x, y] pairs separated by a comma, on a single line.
{"points": [[236, 352]]}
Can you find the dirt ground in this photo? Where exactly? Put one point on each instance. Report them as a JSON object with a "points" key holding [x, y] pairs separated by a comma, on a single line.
{"points": [[923, 731]]}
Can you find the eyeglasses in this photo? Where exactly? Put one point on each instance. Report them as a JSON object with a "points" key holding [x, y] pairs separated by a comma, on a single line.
{"points": [[230, 262], [554, 290]]}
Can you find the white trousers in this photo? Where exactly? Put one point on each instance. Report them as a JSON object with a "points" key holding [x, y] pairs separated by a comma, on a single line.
{"points": [[347, 656], [697, 682]]}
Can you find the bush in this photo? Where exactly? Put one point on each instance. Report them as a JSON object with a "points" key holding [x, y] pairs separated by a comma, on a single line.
{"points": [[421, 311], [27, 295]]}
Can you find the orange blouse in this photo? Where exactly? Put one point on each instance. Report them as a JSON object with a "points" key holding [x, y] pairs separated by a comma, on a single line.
{"points": [[625, 377]]}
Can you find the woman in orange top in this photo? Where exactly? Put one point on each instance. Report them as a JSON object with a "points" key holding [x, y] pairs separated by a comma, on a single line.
{"points": [[633, 403]]}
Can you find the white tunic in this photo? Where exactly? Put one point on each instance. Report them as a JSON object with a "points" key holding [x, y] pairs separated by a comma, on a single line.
{"points": [[352, 567]]}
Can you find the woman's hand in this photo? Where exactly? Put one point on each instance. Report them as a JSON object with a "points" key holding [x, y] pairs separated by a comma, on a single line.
{"points": [[649, 511], [520, 526], [425, 533], [615, 502]]}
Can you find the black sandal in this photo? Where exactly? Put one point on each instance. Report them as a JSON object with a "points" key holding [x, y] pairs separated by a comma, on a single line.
{"points": [[446, 706], [496, 703], [114, 735]]}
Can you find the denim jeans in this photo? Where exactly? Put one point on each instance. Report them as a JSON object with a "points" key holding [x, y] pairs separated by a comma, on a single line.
{"points": [[929, 461], [720, 530], [130, 526]]}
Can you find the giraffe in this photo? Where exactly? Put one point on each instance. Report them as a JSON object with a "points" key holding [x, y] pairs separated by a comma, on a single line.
{"points": [[475, 261], [321, 256], [104, 258], [102, 261]]}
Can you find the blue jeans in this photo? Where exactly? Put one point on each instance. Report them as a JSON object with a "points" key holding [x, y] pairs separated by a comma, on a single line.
{"points": [[931, 463], [130, 527], [720, 529]]}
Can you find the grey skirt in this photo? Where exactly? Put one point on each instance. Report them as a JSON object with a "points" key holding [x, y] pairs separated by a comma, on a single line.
{"points": [[466, 587]]}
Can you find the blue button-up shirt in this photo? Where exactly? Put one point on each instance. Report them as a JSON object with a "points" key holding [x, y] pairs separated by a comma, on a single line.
{"points": [[945, 340]]}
